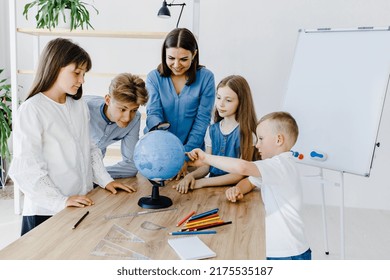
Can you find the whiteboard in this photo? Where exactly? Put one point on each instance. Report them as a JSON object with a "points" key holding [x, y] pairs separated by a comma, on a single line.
{"points": [[336, 93]]}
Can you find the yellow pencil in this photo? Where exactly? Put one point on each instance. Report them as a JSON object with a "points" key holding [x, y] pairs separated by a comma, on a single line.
{"points": [[202, 221]]}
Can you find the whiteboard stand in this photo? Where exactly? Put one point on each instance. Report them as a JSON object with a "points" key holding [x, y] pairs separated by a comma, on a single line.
{"points": [[325, 226], [342, 237]]}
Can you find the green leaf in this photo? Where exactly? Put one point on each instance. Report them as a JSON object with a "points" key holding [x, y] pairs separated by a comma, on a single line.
{"points": [[50, 10]]}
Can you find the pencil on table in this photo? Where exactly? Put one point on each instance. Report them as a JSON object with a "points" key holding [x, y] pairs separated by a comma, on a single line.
{"points": [[185, 218], [198, 228], [192, 232], [204, 214], [81, 219], [214, 220], [202, 221]]}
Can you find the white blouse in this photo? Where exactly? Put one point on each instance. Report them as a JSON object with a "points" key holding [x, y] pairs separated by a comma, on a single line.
{"points": [[54, 157]]}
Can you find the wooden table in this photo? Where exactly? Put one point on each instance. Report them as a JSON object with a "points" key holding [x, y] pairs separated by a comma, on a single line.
{"points": [[98, 238]]}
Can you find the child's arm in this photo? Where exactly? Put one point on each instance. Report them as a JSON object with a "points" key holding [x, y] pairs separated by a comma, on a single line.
{"points": [[218, 181], [237, 192], [189, 181], [228, 164]]}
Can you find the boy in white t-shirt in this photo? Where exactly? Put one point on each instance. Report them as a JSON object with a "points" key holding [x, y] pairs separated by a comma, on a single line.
{"points": [[278, 178]]}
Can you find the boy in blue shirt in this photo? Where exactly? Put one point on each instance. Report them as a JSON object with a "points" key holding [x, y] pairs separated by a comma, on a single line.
{"points": [[115, 117]]}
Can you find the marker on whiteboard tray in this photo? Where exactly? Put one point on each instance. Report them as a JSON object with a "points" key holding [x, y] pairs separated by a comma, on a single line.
{"points": [[297, 155], [318, 155], [294, 153]]}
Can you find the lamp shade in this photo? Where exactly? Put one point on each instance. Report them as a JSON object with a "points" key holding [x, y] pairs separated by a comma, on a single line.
{"points": [[164, 11]]}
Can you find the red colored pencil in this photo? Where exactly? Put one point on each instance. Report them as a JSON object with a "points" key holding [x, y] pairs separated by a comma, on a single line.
{"points": [[185, 218]]}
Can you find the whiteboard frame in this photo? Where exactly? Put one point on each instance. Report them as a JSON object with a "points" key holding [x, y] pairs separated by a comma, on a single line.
{"points": [[370, 148]]}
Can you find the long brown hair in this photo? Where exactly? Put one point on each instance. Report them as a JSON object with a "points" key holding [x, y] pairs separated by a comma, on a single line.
{"points": [[58, 53], [245, 114], [180, 38]]}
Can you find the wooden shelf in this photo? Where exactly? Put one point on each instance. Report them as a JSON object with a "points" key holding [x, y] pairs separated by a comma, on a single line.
{"points": [[93, 33], [90, 74]]}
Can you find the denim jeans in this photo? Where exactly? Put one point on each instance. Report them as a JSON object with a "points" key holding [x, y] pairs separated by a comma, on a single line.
{"points": [[304, 256], [30, 222]]}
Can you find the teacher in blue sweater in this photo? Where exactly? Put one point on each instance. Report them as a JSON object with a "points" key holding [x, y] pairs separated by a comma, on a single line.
{"points": [[181, 91]]}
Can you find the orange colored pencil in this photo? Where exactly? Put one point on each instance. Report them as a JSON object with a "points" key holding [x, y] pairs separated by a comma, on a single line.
{"points": [[214, 220], [185, 218]]}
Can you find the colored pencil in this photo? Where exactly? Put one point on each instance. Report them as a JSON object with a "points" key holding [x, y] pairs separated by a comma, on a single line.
{"points": [[204, 224], [204, 218], [185, 218], [203, 221], [208, 226], [192, 232], [204, 214]]}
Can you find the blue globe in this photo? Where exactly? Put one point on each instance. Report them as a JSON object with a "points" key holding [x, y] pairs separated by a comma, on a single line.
{"points": [[159, 155]]}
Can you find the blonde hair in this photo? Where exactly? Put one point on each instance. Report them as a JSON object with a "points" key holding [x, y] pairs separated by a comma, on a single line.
{"points": [[283, 123], [127, 88]]}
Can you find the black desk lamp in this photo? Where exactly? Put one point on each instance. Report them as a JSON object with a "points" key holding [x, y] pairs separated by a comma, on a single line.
{"points": [[165, 13]]}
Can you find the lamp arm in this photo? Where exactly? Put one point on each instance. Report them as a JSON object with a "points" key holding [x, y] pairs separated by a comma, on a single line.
{"points": [[181, 11]]}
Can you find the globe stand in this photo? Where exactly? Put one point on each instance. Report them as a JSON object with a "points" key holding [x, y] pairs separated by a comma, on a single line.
{"points": [[155, 201]]}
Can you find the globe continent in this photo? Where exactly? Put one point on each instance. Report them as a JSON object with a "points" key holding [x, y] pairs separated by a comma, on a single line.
{"points": [[159, 155]]}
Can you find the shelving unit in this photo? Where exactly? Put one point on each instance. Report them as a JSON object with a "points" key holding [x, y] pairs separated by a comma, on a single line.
{"points": [[38, 33], [93, 33]]}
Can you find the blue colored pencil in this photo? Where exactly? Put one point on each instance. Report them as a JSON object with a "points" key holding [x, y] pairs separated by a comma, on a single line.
{"points": [[193, 232], [204, 214]]}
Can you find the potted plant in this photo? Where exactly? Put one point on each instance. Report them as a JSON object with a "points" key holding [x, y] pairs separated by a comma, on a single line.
{"points": [[50, 11], [5, 125]]}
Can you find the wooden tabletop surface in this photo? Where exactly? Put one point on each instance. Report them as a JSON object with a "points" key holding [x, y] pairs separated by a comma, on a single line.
{"points": [[144, 236]]}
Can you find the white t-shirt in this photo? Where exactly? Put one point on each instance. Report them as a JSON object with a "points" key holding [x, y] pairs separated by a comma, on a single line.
{"points": [[281, 191], [54, 157]]}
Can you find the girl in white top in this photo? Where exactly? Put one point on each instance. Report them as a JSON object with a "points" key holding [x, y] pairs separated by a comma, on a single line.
{"points": [[54, 162]]}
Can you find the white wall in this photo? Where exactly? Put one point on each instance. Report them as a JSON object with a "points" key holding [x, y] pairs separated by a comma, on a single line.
{"points": [[256, 38], [4, 34], [253, 38]]}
